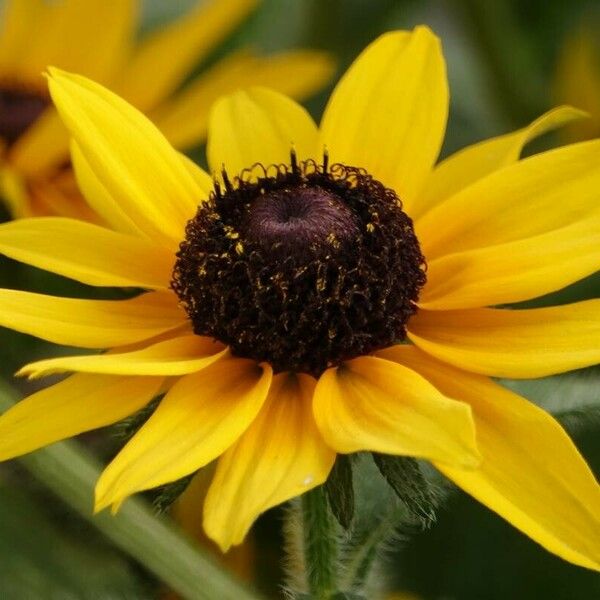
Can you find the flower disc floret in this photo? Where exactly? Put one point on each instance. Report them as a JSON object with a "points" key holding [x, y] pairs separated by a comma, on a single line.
{"points": [[302, 265]]}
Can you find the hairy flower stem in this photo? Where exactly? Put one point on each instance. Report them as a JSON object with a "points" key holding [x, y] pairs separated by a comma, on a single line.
{"points": [[320, 545]]}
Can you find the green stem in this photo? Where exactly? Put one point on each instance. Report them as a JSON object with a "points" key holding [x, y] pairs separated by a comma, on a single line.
{"points": [[71, 472], [320, 545]]}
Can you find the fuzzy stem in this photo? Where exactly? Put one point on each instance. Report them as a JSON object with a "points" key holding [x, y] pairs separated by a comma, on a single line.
{"points": [[320, 545], [361, 562]]}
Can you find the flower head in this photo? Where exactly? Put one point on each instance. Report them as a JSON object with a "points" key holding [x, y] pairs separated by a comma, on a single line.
{"points": [[330, 293], [35, 176]]}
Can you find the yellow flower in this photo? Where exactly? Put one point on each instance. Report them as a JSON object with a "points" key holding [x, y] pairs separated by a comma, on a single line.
{"points": [[306, 274], [577, 80], [96, 38]]}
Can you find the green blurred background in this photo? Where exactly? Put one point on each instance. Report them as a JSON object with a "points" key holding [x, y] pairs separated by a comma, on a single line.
{"points": [[502, 57]]}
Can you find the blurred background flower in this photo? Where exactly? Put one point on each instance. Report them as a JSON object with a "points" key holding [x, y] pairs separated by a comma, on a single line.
{"points": [[578, 77], [509, 61], [97, 38]]}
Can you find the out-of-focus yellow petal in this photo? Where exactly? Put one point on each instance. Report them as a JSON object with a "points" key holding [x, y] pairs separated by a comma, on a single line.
{"points": [[512, 343], [14, 192], [514, 271], [474, 162], [373, 404], [280, 456], [388, 113], [77, 404], [43, 146], [86, 252], [578, 80], [90, 323], [165, 57], [129, 156], [258, 125], [531, 473], [57, 195], [532, 197], [19, 22], [176, 356], [199, 418], [88, 37], [298, 73]]}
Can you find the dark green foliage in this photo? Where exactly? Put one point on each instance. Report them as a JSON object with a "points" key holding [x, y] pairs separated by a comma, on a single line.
{"points": [[406, 479], [340, 491], [165, 495], [124, 430]]}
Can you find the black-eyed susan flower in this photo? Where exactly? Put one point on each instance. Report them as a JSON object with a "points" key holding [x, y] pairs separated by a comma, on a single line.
{"points": [[334, 292], [34, 176], [577, 80]]}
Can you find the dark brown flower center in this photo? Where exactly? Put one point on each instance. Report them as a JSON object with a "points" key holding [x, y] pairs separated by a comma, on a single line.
{"points": [[302, 266], [20, 107]]}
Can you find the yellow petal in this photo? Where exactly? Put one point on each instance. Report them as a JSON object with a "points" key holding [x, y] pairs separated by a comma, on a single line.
{"points": [[177, 356], [129, 156], [512, 343], [258, 126], [373, 404], [106, 206], [515, 271], [388, 113], [77, 404], [298, 73], [280, 456], [98, 197], [531, 197], [474, 162], [198, 419], [88, 37], [90, 323], [86, 252], [164, 58], [203, 180], [531, 473]]}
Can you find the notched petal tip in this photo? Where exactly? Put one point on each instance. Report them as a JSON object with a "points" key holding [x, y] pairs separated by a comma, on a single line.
{"points": [[105, 496]]}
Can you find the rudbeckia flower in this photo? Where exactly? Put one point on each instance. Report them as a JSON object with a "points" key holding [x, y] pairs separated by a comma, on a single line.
{"points": [[577, 80], [35, 176], [333, 292]]}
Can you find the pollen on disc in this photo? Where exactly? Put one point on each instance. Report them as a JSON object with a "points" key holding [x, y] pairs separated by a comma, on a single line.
{"points": [[302, 267]]}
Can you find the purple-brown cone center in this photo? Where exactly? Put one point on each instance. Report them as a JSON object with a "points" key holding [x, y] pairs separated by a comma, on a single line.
{"points": [[295, 219], [302, 266]]}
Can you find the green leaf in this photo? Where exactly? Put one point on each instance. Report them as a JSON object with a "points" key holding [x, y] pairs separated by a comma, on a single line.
{"points": [[406, 479], [340, 491]]}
